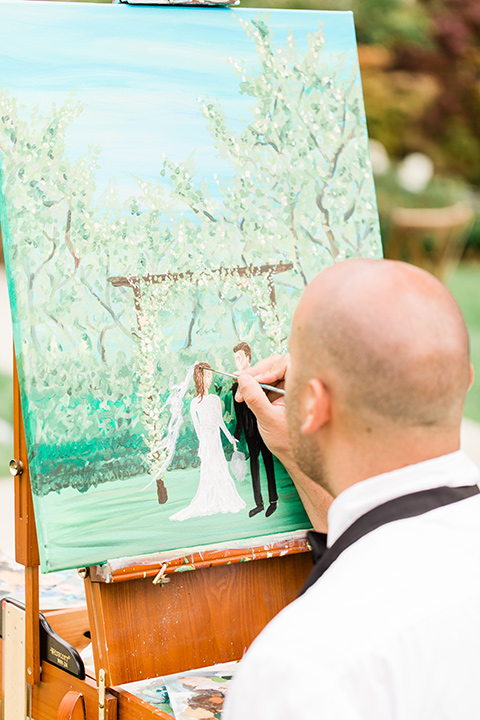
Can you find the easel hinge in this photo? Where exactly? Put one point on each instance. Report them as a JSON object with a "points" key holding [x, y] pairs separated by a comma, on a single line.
{"points": [[101, 694]]}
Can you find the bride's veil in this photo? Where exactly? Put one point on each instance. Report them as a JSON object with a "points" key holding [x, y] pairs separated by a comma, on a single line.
{"points": [[169, 441]]}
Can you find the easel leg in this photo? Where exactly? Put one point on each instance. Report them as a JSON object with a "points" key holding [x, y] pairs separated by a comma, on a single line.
{"points": [[26, 545], [32, 609]]}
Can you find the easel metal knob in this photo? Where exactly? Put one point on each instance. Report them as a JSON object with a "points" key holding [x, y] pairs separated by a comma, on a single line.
{"points": [[16, 467]]}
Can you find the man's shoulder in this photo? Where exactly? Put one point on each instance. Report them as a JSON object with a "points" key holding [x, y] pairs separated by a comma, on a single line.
{"points": [[402, 598], [367, 593], [278, 679], [358, 614]]}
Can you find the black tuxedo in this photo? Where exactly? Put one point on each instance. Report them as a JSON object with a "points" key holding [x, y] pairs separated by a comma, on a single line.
{"points": [[247, 422]]}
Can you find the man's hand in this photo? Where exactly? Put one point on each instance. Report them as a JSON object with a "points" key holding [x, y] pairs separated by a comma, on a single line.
{"points": [[272, 424], [271, 371], [270, 415]]}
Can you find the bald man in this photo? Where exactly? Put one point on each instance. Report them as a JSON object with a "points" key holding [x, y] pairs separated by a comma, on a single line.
{"points": [[388, 624]]}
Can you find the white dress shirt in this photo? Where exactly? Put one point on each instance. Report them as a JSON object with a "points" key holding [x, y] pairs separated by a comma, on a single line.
{"points": [[391, 631]]}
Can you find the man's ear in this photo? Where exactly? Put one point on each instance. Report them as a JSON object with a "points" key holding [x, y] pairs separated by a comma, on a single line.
{"points": [[315, 407]]}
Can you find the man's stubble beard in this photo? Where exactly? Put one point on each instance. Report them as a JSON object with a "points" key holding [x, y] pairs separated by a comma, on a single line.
{"points": [[307, 455]]}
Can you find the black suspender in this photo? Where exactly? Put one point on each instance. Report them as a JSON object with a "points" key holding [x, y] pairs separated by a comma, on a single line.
{"points": [[398, 509]]}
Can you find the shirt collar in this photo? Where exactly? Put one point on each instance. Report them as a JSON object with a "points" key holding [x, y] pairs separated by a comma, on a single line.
{"points": [[451, 470]]}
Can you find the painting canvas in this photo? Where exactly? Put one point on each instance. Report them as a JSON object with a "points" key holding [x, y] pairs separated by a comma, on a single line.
{"points": [[171, 179]]}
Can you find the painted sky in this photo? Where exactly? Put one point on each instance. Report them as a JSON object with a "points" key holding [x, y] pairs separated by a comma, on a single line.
{"points": [[141, 70]]}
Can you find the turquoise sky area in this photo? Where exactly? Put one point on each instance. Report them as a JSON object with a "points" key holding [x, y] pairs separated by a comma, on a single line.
{"points": [[140, 70]]}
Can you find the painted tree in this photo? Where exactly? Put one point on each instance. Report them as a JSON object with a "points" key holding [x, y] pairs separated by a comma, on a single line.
{"points": [[301, 183], [300, 188], [60, 247]]}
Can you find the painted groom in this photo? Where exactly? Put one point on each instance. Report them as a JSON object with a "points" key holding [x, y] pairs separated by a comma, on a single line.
{"points": [[247, 422]]}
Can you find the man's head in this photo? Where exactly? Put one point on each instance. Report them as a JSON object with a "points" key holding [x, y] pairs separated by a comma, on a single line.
{"points": [[242, 355], [379, 355]]}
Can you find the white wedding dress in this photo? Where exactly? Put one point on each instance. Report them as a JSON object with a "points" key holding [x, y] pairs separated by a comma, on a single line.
{"points": [[216, 491]]}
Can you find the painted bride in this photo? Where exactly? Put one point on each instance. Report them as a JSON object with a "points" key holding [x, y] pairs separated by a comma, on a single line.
{"points": [[216, 492]]}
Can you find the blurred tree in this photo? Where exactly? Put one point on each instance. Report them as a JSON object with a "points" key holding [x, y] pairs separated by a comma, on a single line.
{"points": [[376, 21], [451, 123]]}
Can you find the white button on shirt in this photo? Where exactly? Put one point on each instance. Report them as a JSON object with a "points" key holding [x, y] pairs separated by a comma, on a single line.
{"points": [[392, 630]]}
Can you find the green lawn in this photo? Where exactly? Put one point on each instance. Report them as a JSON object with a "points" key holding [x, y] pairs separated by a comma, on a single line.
{"points": [[465, 285]]}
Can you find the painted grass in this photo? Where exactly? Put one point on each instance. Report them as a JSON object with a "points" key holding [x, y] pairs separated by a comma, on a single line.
{"points": [[117, 519], [465, 285]]}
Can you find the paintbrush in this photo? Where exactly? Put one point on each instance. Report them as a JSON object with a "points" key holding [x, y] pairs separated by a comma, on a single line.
{"points": [[234, 377]]}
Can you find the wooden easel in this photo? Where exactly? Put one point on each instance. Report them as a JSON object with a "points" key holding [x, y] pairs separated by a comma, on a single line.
{"points": [[140, 628]]}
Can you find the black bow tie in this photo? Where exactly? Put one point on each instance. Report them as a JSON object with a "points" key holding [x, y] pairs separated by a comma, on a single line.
{"points": [[318, 543]]}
